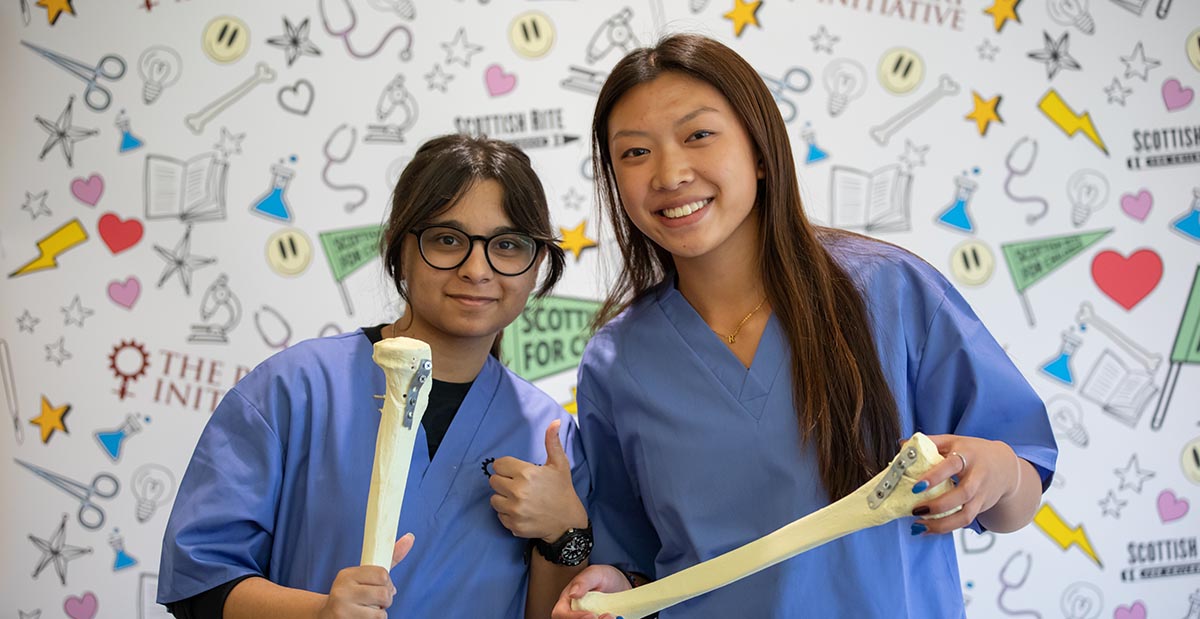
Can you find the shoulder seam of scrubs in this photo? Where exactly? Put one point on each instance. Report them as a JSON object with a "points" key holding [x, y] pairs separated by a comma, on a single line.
{"points": [[929, 325], [254, 407]]}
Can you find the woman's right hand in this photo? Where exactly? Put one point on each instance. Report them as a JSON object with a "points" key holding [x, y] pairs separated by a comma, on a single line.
{"points": [[364, 591], [602, 578]]}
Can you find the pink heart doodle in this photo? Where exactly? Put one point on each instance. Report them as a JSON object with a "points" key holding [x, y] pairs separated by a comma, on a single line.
{"points": [[499, 82], [1137, 207], [1170, 507], [1175, 95], [81, 607], [88, 191], [1137, 611], [125, 293]]}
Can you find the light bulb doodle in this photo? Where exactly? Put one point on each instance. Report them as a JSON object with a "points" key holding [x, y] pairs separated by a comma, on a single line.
{"points": [[345, 18], [153, 487], [128, 361], [1087, 190], [1066, 419], [1013, 576], [275, 324], [1072, 13], [1025, 150], [159, 66], [844, 80], [337, 150], [1082, 600]]}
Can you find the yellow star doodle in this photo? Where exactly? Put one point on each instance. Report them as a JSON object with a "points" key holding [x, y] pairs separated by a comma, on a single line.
{"points": [[55, 8], [984, 112], [1002, 11], [51, 419], [575, 240], [743, 13]]}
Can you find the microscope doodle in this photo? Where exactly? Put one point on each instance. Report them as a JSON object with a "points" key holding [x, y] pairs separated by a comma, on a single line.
{"points": [[613, 33], [394, 98], [217, 297]]}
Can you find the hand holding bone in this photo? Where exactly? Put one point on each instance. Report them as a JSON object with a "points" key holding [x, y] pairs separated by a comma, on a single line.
{"points": [[537, 501], [363, 590], [884, 498]]}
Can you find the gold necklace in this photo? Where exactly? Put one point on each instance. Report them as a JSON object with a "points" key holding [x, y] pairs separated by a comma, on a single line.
{"points": [[732, 337]]}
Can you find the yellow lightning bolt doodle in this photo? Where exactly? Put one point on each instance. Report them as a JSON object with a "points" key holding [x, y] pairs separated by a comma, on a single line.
{"points": [[1071, 123], [1053, 526], [59, 241]]}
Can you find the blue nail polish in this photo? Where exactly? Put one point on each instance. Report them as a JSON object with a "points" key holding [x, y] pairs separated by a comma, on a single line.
{"points": [[918, 528], [920, 487]]}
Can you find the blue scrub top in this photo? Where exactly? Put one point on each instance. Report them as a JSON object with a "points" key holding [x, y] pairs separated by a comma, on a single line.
{"points": [[693, 455], [278, 485]]}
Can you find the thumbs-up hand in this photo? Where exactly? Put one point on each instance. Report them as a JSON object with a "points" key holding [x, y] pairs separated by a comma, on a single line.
{"points": [[536, 501]]}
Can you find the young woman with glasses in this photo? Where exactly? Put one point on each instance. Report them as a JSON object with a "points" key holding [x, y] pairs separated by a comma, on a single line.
{"points": [[762, 367], [269, 517]]}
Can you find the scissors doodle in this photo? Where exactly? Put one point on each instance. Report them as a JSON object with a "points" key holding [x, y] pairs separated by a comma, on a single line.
{"points": [[797, 80], [103, 485], [110, 67]]}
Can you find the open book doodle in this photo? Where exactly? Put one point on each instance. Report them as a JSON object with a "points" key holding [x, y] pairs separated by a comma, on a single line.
{"points": [[192, 190], [876, 201], [1120, 391]]}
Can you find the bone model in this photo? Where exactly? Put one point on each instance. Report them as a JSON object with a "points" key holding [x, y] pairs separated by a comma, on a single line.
{"points": [[886, 497], [408, 367]]}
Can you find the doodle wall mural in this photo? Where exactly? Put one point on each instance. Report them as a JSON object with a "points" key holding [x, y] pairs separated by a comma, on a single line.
{"points": [[193, 185]]}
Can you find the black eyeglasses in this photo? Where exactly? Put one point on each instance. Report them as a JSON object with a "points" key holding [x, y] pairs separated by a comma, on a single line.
{"points": [[446, 247]]}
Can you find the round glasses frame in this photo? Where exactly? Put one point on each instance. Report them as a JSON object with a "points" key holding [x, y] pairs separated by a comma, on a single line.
{"points": [[487, 243]]}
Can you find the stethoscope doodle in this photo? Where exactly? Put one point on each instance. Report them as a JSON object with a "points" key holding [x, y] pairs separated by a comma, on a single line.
{"points": [[279, 343], [331, 159], [110, 67], [779, 88], [103, 485], [347, 15], [1014, 171], [1013, 576]]}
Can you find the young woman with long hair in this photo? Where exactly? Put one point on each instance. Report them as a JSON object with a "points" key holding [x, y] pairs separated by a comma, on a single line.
{"points": [[753, 367]]}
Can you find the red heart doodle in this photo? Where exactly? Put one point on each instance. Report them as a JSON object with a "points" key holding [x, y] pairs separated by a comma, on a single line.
{"points": [[1127, 280], [119, 235]]}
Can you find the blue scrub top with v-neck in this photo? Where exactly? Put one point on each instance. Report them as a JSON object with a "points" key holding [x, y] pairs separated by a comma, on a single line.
{"points": [[278, 485], [693, 455]]}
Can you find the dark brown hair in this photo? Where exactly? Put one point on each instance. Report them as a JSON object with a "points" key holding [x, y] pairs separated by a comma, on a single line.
{"points": [[442, 171], [843, 401]]}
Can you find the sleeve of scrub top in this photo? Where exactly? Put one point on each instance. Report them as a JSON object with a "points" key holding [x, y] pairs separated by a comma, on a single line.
{"points": [[624, 536], [967, 385], [580, 473], [221, 526]]}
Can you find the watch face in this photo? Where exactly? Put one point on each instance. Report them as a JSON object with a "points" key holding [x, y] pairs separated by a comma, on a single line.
{"points": [[577, 549]]}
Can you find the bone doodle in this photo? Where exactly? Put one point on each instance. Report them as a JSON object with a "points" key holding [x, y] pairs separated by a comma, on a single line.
{"points": [[882, 133], [196, 122], [408, 367], [884, 498]]}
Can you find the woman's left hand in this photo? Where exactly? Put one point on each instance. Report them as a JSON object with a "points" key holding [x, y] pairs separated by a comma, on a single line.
{"points": [[536, 501], [987, 472]]}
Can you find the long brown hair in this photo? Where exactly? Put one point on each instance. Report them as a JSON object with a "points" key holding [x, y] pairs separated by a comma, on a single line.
{"points": [[835, 365], [442, 171]]}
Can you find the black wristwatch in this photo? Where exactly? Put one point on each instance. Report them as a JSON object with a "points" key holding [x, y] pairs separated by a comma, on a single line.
{"points": [[570, 550]]}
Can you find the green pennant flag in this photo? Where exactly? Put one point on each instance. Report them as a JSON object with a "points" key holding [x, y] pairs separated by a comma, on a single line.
{"points": [[1030, 261], [348, 250], [549, 336], [1187, 339]]}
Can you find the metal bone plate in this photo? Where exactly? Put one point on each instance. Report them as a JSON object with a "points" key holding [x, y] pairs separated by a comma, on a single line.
{"points": [[410, 404], [885, 488]]}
